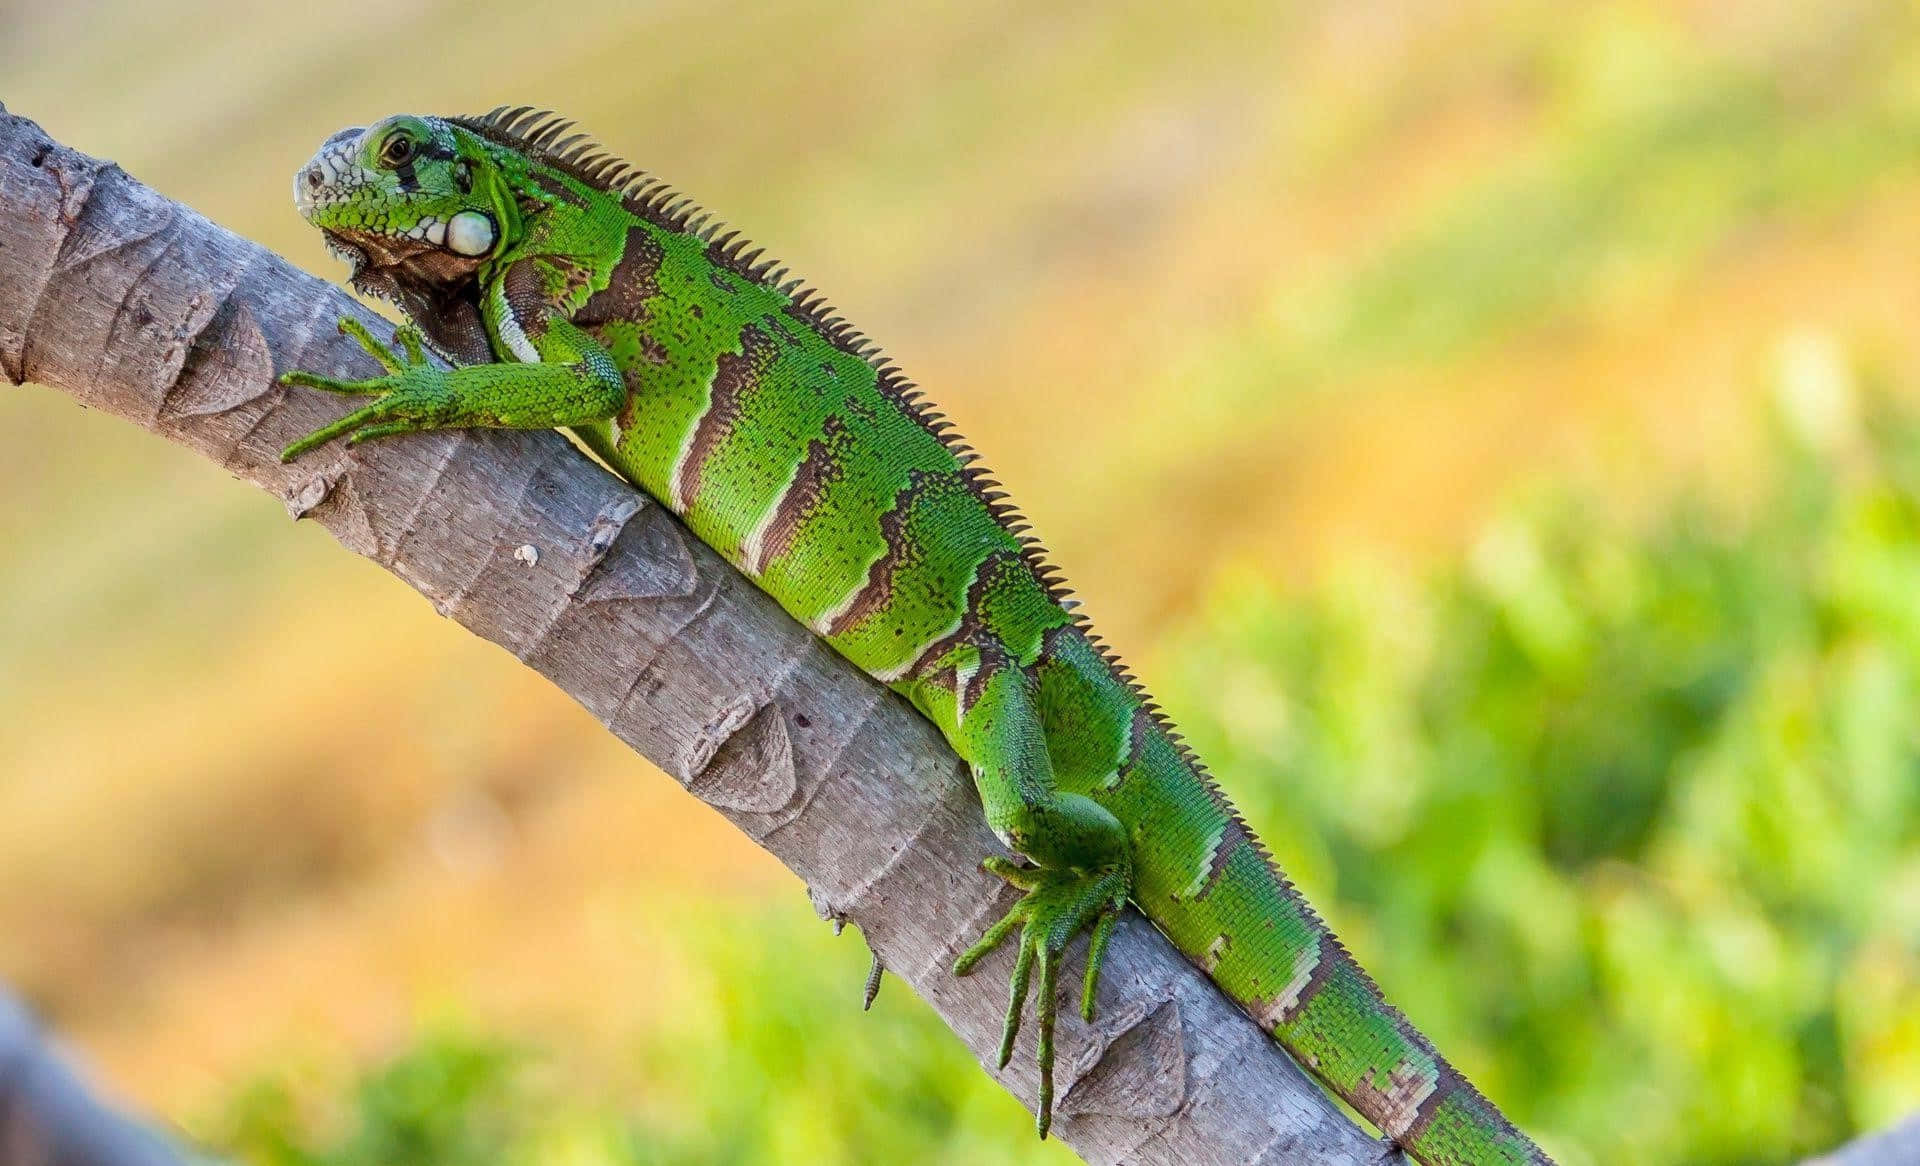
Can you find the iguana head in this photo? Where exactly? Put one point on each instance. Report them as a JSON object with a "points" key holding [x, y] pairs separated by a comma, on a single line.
{"points": [[415, 205], [411, 192]]}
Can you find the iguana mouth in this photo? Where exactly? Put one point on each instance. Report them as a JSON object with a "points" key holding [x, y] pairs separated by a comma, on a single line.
{"points": [[354, 257], [377, 249]]}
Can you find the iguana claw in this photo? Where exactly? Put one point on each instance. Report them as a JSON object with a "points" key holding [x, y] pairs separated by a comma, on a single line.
{"points": [[1058, 905]]}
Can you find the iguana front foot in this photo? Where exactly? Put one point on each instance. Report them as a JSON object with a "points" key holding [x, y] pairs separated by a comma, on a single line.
{"points": [[414, 395], [1058, 905], [574, 383]]}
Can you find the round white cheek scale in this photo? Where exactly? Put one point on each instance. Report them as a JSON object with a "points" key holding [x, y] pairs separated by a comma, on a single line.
{"points": [[470, 233]]}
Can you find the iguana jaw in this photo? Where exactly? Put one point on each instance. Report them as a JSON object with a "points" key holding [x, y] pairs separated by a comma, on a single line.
{"points": [[379, 261]]}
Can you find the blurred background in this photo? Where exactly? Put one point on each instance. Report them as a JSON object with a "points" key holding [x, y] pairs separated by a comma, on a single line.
{"points": [[1493, 429]]}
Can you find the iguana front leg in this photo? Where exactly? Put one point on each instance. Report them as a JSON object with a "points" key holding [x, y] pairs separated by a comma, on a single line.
{"points": [[1083, 873], [574, 382]]}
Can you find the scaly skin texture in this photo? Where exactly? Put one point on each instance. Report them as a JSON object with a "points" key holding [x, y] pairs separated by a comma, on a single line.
{"points": [[572, 292]]}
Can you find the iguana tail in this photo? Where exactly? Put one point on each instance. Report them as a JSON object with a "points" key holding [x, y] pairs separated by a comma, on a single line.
{"points": [[1204, 879]]}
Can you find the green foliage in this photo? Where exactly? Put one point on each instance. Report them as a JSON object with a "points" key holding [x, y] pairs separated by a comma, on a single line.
{"points": [[449, 1100], [1626, 819], [761, 1055]]}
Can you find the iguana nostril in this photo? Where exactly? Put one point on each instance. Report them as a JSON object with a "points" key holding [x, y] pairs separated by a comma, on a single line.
{"points": [[314, 178]]}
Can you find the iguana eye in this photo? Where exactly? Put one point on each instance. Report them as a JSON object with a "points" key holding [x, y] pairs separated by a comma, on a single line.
{"points": [[397, 151]]}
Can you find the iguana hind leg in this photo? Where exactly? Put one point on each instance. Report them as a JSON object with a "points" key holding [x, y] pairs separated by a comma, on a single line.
{"points": [[1083, 873]]}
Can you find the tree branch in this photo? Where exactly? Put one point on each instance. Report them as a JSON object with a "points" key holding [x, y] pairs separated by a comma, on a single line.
{"points": [[137, 306], [1897, 1146], [46, 1116]]}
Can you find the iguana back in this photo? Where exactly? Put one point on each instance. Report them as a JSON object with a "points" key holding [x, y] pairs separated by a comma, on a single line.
{"points": [[583, 294]]}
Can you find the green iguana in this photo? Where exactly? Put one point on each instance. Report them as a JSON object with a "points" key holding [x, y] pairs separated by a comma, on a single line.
{"points": [[569, 290]]}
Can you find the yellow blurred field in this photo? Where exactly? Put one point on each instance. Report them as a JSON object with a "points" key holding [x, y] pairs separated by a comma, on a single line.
{"points": [[1260, 288]]}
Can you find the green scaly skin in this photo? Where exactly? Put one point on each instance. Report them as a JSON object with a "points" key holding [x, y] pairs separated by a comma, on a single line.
{"points": [[570, 291]]}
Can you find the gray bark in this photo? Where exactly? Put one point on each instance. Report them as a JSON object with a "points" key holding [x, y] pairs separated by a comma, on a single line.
{"points": [[139, 307], [47, 1117], [1899, 1146]]}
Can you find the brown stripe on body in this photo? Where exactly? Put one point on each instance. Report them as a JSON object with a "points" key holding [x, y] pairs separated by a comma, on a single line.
{"points": [[1395, 1108], [1232, 838], [553, 185], [526, 296], [993, 661], [1272, 1012], [634, 281], [1138, 729], [1447, 1083], [735, 374], [972, 629], [819, 468], [878, 588]]}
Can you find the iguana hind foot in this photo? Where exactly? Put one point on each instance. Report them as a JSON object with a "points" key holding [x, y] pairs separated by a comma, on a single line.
{"points": [[1057, 906]]}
